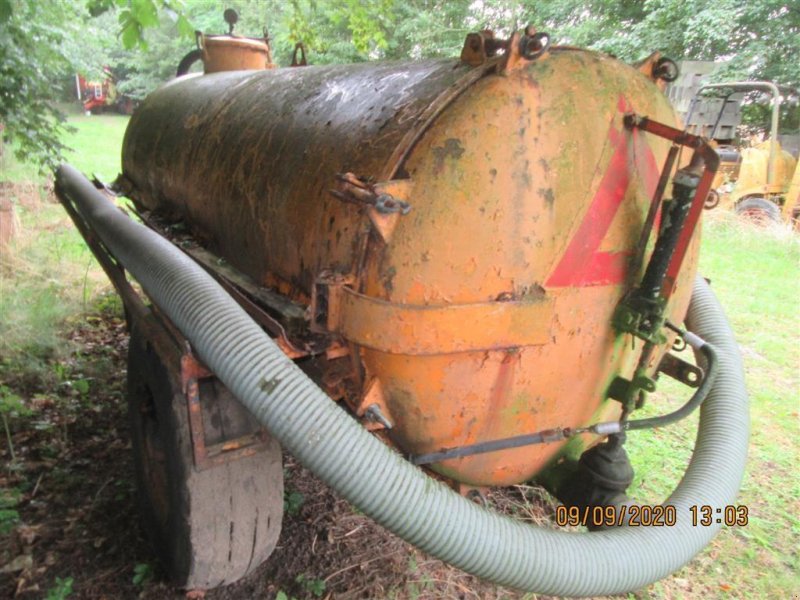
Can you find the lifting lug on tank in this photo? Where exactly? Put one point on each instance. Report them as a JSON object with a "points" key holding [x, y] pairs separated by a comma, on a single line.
{"points": [[482, 45], [680, 370], [299, 49], [660, 69]]}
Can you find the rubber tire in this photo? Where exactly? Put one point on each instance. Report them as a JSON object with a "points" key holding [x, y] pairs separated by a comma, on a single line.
{"points": [[759, 210], [208, 527]]}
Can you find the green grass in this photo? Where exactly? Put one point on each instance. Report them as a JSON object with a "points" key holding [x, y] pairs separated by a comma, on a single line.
{"points": [[50, 274], [95, 147], [755, 274], [53, 276], [97, 144]]}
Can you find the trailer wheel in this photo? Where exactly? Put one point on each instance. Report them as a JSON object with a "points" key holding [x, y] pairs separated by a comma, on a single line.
{"points": [[209, 527], [759, 210]]}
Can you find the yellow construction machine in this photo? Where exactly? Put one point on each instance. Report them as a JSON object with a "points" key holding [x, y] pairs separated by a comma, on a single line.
{"points": [[761, 182]]}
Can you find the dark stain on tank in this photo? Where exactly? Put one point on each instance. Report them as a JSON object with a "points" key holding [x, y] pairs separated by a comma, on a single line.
{"points": [[452, 148], [522, 175], [493, 175], [388, 279], [547, 194], [544, 165]]}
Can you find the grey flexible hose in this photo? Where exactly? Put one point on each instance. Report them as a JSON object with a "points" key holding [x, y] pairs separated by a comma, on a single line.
{"points": [[399, 495]]}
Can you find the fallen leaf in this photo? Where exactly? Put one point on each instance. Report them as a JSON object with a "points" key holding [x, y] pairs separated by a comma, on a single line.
{"points": [[21, 563], [28, 533]]}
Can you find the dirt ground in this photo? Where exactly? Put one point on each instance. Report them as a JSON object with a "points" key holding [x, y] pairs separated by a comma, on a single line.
{"points": [[77, 534]]}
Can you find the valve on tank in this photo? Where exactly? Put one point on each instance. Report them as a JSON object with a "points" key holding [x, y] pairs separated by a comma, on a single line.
{"points": [[228, 52]]}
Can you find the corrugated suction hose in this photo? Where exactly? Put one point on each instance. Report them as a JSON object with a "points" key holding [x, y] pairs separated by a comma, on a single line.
{"points": [[398, 495]]}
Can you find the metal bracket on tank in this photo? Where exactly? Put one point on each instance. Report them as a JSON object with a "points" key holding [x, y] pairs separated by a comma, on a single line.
{"points": [[417, 329], [680, 370], [301, 62], [643, 310], [520, 48], [386, 202], [660, 69], [630, 393]]}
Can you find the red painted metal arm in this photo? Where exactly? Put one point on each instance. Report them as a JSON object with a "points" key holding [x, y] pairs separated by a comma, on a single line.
{"points": [[704, 164]]}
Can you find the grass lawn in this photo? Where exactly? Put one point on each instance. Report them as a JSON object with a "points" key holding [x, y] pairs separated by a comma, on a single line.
{"points": [[95, 146], [51, 279], [756, 275], [53, 273]]}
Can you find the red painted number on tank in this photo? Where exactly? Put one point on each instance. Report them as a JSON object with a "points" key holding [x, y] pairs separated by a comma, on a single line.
{"points": [[583, 264]]}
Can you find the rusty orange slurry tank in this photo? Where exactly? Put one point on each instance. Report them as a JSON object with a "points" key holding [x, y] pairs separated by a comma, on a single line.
{"points": [[461, 234]]}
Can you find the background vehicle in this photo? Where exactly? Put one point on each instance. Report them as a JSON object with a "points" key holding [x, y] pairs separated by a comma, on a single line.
{"points": [[756, 180], [100, 96]]}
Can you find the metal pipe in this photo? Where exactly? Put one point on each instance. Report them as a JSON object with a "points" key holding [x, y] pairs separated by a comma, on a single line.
{"points": [[711, 368]]}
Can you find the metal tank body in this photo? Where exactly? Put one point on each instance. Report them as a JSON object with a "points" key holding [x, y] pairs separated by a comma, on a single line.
{"points": [[484, 312]]}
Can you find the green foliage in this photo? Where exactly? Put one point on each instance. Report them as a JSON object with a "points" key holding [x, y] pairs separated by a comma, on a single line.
{"points": [[292, 502], [9, 517], [135, 16], [54, 274], [142, 574], [61, 590], [11, 407], [311, 585], [11, 404], [81, 386], [31, 60], [43, 45], [759, 39], [8, 520]]}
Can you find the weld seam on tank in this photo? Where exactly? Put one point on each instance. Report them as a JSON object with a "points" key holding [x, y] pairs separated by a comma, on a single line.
{"points": [[399, 495]]}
